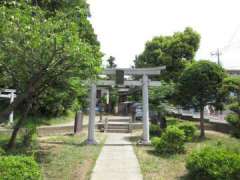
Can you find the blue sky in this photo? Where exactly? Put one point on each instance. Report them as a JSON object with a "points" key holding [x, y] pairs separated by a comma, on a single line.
{"points": [[123, 26]]}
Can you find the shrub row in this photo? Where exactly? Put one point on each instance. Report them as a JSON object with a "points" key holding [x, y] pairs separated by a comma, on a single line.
{"points": [[173, 138], [19, 168], [2, 152], [214, 163], [209, 163], [171, 141], [189, 130], [234, 121], [155, 130]]}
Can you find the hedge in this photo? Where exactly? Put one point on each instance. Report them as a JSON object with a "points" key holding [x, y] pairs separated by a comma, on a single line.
{"points": [[19, 168], [171, 141], [214, 163]]}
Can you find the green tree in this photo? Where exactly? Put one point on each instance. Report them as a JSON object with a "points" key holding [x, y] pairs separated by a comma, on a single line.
{"points": [[174, 52], [40, 49], [111, 62], [113, 99], [55, 101], [199, 86], [232, 86], [159, 98]]}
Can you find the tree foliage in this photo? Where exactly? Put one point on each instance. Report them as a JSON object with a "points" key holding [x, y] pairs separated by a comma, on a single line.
{"points": [[159, 97], [57, 46], [46, 53], [232, 85], [111, 62], [174, 52], [199, 85]]}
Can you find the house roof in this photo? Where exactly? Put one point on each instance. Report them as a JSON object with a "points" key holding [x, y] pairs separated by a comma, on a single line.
{"points": [[233, 71]]}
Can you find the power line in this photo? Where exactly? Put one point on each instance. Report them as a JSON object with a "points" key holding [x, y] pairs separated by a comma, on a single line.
{"points": [[231, 40], [218, 54], [230, 43]]}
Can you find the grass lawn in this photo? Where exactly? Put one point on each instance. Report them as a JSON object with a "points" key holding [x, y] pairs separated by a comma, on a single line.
{"points": [[68, 157], [157, 167], [63, 157], [62, 120], [69, 117], [48, 121]]}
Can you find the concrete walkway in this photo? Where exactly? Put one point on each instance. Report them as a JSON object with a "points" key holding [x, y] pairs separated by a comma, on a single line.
{"points": [[117, 161]]}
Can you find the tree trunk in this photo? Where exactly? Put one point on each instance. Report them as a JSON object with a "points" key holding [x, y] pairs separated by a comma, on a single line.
{"points": [[163, 123], [100, 111], [17, 127], [162, 120], [202, 128], [238, 99]]}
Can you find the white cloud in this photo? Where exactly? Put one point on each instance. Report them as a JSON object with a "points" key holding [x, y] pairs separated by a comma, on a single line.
{"points": [[123, 26]]}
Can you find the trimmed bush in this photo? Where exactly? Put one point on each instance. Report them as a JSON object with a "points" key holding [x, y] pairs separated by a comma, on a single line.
{"points": [[173, 121], [18, 168], [189, 130], [214, 163], [155, 130], [234, 121], [155, 140], [171, 141]]}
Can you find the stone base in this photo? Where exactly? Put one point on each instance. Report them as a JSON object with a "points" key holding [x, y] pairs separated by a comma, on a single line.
{"points": [[146, 142], [91, 142]]}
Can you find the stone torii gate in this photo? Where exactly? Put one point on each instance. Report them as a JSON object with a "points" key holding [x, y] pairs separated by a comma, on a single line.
{"points": [[144, 82], [9, 94]]}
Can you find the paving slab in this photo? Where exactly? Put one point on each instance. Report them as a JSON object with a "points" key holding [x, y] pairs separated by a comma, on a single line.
{"points": [[117, 160]]}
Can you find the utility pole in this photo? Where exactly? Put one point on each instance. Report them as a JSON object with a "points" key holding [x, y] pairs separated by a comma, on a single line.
{"points": [[218, 54]]}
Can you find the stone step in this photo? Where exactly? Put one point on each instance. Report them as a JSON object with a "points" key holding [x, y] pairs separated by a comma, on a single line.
{"points": [[118, 124], [115, 122], [118, 120], [118, 130], [118, 127]]}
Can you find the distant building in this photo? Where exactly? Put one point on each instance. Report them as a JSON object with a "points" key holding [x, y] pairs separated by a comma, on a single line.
{"points": [[233, 72]]}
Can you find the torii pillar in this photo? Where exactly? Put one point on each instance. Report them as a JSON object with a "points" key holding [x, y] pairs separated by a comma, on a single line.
{"points": [[92, 114], [145, 109]]}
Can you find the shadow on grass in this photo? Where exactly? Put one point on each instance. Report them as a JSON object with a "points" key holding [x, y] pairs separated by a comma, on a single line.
{"points": [[63, 142], [118, 144], [44, 155], [185, 177], [3, 143], [19, 148], [198, 139], [165, 156], [133, 139]]}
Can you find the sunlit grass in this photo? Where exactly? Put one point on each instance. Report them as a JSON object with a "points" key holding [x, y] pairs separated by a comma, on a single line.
{"points": [[68, 157], [63, 157], [157, 167]]}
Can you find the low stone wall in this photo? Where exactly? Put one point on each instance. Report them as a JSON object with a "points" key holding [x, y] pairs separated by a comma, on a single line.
{"points": [[68, 129], [214, 126], [5, 131], [137, 125], [51, 130], [219, 127], [56, 130]]}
